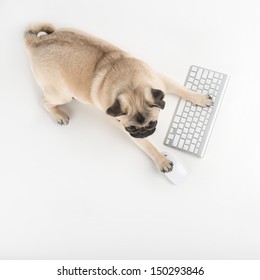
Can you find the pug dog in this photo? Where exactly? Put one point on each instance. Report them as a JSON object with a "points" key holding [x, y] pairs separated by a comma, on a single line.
{"points": [[69, 64]]}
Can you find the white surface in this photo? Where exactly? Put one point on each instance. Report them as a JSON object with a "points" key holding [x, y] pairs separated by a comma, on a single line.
{"points": [[84, 191]]}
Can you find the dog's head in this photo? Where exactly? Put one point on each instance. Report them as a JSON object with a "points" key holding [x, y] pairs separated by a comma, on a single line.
{"points": [[138, 110]]}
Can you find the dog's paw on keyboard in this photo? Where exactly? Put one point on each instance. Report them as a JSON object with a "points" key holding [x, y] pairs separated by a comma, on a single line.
{"points": [[204, 100]]}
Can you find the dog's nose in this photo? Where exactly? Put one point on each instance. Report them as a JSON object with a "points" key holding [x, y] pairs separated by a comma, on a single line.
{"points": [[151, 125], [131, 128]]}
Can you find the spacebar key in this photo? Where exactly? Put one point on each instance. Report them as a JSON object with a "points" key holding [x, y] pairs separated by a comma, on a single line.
{"points": [[181, 107]]}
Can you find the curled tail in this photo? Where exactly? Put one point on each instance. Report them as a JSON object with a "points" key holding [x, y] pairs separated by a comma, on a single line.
{"points": [[30, 35]]}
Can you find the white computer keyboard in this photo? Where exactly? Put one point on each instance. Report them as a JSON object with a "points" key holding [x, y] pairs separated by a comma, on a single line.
{"points": [[191, 125]]}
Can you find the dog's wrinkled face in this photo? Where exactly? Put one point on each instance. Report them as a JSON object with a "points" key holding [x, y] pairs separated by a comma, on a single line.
{"points": [[138, 111]]}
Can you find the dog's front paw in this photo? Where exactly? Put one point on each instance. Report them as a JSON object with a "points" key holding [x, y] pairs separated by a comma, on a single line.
{"points": [[165, 164], [203, 100]]}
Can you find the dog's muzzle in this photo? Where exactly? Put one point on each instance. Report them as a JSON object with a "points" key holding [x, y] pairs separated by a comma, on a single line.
{"points": [[142, 132]]}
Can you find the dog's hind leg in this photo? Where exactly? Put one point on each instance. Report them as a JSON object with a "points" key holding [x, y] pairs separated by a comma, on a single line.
{"points": [[51, 102]]}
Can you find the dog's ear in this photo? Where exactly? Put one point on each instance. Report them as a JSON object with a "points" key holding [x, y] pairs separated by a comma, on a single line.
{"points": [[158, 96], [115, 109]]}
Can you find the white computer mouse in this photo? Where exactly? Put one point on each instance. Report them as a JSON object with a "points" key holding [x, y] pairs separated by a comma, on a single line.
{"points": [[178, 173]]}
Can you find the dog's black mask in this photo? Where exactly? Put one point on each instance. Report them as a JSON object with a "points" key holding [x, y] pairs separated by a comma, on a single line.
{"points": [[115, 110], [142, 132]]}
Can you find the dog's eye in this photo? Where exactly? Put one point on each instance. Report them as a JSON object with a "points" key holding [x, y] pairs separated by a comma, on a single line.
{"points": [[123, 114], [153, 105]]}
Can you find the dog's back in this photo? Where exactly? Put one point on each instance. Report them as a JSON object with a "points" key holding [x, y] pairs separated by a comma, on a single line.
{"points": [[67, 56], [81, 63], [63, 36]]}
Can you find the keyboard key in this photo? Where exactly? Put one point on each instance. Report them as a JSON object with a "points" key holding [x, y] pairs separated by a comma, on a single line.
{"points": [[181, 142], [211, 73], [202, 119], [203, 113], [174, 125], [176, 140], [180, 107], [192, 74], [191, 149], [199, 73], [188, 85], [186, 109], [191, 114], [205, 74]]}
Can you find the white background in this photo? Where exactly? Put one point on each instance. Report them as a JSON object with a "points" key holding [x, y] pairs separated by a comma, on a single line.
{"points": [[84, 191]]}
